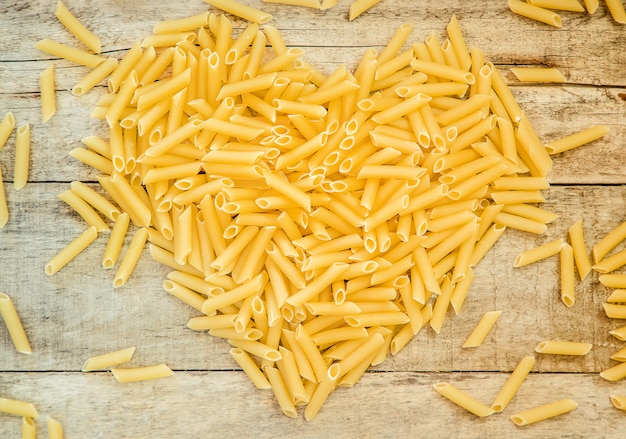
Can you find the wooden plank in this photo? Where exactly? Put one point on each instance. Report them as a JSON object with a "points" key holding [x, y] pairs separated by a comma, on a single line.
{"points": [[77, 313], [511, 39], [382, 405]]}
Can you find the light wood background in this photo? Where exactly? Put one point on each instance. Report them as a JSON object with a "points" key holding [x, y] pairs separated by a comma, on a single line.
{"points": [[77, 313]]}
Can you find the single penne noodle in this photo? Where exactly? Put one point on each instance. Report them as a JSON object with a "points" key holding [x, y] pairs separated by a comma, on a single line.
{"points": [[521, 183], [513, 383], [6, 128], [4, 209], [360, 6], [581, 257], [182, 24], [536, 13], [463, 399], [538, 253], [80, 243], [20, 408], [563, 5], [528, 211], [617, 296], [106, 361], [458, 43], [482, 329], [619, 333], [167, 40], [241, 10], [575, 140], [69, 53], [544, 412], [563, 348], [48, 99], [615, 373], [487, 241], [399, 110], [96, 200], [613, 280], [235, 295], [520, 223], [617, 10], [219, 321], [614, 311], [611, 263], [321, 392], [619, 355], [22, 156], [77, 28], [609, 242], [538, 74], [14, 325], [145, 373], [29, 428], [185, 294], [619, 401], [55, 429]]}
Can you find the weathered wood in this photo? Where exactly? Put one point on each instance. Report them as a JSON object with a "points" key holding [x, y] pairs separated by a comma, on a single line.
{"points": [[381, 405], [77, 313]]}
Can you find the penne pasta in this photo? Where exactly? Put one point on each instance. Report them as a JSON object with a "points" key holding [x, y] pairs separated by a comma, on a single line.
{"points": [[513, 383], [535, 12], [69, 252], [544, 412], [563, 348], [463, 400], [14, 325], [55, 429], [77, 28], [578, 139], [46, 87], [538, 74], [482, 329], [538, 253], [20, 408], [106, 361], [145, 373], [22, 156], [6, 128]]}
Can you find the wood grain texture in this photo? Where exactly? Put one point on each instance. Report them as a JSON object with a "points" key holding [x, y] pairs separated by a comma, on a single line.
{"points": [[77, 313], [382, 405]]}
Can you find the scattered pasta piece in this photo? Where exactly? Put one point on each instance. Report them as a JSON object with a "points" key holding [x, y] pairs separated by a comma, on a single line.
{"points": [[106, 361], [20, 408], [14, 324], [145, 373], [563, 348], [576, 140], [482, 329], [619, 401], [22, 156], [536, 13], [55, 429], [6, 128], [29, 429], [512, 385], [544, 412], [77, 28], [538, 74], [463, 400]]}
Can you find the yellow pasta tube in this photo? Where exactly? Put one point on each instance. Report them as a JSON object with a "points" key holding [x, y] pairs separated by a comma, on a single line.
{"points": [[130, 258], [55, 429], [581, 257], [619, 401], [513, 383], [95, 199], [182, 24], [281, 392], [80, 243], [403, 108], [48, 100], [538, 74], [619, 355], [578, 139], [463, 399], [481, 330], [22, 156], [544, 412], [14, 324], [536, 13], [568, 292], [443, 71], [538, 253], [107, 360], [69, 53], [520, 223], [4, 209], [615, 373], [29, 429], [135, 374], [619, 333], [591, 5], [6, 128], [614, 311], [250, 368], [360, 6], [20, 408], [458, 43], [563, 5], [563, 348], [116, 239], [617, 10], [235, 295], [329, 275], [241, 10], [77, 28]]}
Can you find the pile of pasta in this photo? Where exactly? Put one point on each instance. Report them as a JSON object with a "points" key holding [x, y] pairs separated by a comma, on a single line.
{"points": [[543, 10], [317, 222]]}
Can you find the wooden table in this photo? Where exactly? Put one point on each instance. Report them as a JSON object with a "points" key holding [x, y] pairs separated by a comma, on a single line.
{"points": [[77, 313]]}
